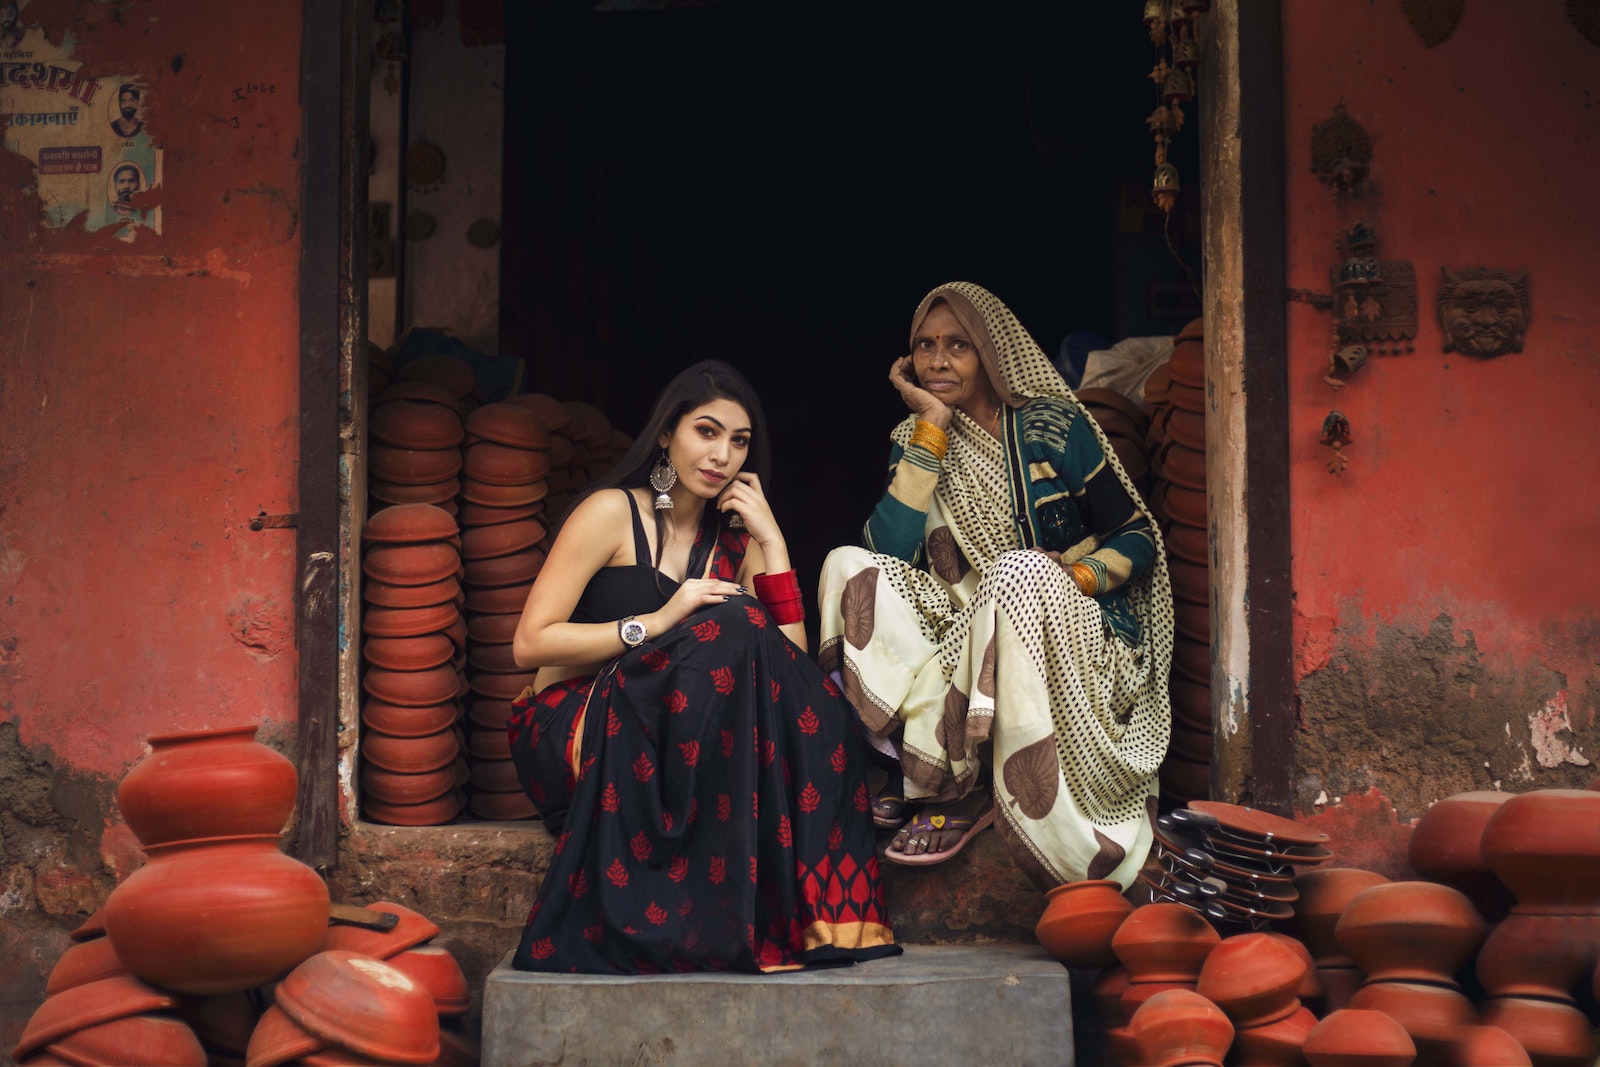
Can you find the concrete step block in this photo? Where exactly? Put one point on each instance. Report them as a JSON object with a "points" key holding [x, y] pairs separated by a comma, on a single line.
{"points": [[948, 1004]]}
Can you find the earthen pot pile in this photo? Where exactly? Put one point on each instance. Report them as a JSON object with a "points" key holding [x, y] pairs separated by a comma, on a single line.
{"points": [[414, 456], [413, 652]]}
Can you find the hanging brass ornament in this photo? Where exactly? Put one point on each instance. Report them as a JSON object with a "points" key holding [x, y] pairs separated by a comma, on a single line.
{"points": [[1341, 152]]}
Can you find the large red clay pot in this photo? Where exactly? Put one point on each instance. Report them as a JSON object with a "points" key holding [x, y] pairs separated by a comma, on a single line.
{"points": [[142, 1039], [1253, 978], [207, 783], [1489, 1046], [217, 915], [89, 1004], [1554, 1033], [1164, 942], [1354, 1038], [1545, 846], [1410, 932], [363, 1005], [1447, 846], [1179, 1028], [437, 971], [1539, 955], [86, 961], [1079, 920], [1276, 1044], [1324, 894], [1433, 1015]]}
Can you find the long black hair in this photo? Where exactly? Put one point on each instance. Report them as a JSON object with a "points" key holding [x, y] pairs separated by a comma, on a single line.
{"points": [[692, 387]]}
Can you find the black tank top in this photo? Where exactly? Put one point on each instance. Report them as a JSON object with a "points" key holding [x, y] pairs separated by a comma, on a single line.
{"points": [[616, 592]]}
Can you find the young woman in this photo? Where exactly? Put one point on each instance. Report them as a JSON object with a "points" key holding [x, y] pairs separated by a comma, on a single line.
{"points": [[703, 779]]}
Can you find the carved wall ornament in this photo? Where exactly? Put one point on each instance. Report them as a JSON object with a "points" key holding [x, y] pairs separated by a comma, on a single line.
{"points": [[1336, 435], [1484, 312], [1434, 20], [1585, 16], [1341, 153]]}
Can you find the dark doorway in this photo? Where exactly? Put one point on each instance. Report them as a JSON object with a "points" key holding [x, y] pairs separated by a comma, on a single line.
{"points": [[779, 186]]}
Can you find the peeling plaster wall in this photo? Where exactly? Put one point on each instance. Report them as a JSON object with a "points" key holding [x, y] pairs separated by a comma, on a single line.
{"points": [[1448, 600], [148, 410]]}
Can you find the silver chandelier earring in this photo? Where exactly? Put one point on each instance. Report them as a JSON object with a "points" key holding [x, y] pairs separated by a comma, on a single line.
{"points": [[663, 476]]}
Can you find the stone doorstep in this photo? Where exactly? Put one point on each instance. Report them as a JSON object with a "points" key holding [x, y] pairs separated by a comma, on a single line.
{"points": [[1001, 1004]]}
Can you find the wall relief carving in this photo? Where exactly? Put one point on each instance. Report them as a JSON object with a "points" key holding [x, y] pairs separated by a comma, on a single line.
{"points": [[1484, 312]]}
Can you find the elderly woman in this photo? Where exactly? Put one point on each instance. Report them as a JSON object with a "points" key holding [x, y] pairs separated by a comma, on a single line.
{"points": [[1007, 630]]}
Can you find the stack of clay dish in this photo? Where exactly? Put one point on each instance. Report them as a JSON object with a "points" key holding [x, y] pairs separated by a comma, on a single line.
{"points": [[452, 374], [1125, 425], [590, 431], [1354, 1038], [1324, 895], [1447, 846], [411, 749], [564, 480], [1488, 1046], [503, 545], [1163, 946], [1234, 864], [1411, 938], [117, 1019], [1255, 978], [408, 949], [217, 907], [1179, 1028], [1545, 847], [414, 456], [1079, 921], [341, 1007]]}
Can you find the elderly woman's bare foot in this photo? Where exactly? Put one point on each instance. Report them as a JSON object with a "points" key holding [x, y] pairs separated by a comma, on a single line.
{"points": [[939, 831]]}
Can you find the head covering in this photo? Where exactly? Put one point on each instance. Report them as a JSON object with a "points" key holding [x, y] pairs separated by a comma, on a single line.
{"points": [[1017, 368]]}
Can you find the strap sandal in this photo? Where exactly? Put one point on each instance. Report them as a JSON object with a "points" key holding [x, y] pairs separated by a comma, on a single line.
{"points": [[969, 826], [890, 812]]}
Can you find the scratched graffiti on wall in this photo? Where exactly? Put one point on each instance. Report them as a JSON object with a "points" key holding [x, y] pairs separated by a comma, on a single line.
{"points": [[87, 137]]}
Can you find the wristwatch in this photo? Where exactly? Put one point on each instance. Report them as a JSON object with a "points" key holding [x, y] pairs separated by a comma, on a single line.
{"points": [[632, 631]]}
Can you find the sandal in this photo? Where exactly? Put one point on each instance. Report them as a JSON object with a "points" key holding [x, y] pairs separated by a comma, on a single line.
{"points": [[890, 812], [971, 825]]}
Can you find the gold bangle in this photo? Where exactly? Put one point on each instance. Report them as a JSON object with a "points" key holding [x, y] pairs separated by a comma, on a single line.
{"points": [[1084, 575], [930, 437]]}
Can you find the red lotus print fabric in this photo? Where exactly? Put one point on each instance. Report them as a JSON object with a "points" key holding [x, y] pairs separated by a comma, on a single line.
{"points": [[719, 817]]}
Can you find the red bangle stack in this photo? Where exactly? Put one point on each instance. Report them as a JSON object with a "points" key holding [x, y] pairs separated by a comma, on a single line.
{"points": [[780, 595]]}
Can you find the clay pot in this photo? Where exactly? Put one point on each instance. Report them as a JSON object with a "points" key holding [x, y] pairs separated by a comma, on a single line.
{"points": [[408, 653], [386, 595], [1188, 543], [409, 622], [1253, 978], [489, 714], [416, 389], [492, 744], [132, 1039], [1433, 1015], [92, 927], [404, 524], [417, 563], [1185, 779], [363, 1005], [502, 807], [498, 600], [207, 783], [497, 629], [1192, 659], [1311, 985], [217, 915], [86, 961], [1155, 388], [1164, 943], [1446, 846], [1179, 1028], [487, 542], [486, 515], [392, 787], [440, 494], [89, 1004], [1107, 993], [516, 568], [1079, 920], [1354, 1038], [412, 689], [1184, 467], [1187, 428], [506, 423], [1539, 955], [1186, 506], [504, 496], [1545, 847], [1489, 1046], [502, 686], [1276, 1044], [1192, 619], [411, 930], [411, 755], [413, 466], [1339, 985], [435, 812], [279, 1039], [498, 659], [1553, 1033], [495, 776], [552, 416], [222, 1023], [398, 720], [1190, 581], [1410, 932], [1324, 894], [415, 424], [495, 464]]}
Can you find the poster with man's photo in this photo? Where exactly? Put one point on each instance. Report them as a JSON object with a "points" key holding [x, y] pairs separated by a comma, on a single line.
{"points": [[88, 137]]}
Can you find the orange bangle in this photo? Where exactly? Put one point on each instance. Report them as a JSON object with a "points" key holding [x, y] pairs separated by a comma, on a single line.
{"points": [[1084, 575]]}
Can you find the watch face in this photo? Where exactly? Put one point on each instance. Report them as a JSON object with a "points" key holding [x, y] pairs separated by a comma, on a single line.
{"points": [[633, 632]]}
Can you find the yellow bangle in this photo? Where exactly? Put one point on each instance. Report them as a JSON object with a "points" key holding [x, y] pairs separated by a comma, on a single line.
{"points": [[1084, 575], [930, 437]]}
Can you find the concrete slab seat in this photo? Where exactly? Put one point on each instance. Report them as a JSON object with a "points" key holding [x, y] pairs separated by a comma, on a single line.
{"points": [[1004, 1004]]}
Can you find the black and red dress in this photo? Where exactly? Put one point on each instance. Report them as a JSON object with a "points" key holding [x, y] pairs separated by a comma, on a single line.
{"points": [[706, 792]]}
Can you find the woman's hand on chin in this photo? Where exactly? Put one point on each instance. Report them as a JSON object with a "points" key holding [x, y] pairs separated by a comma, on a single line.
{"points": [[922, 403], [743, 497]]}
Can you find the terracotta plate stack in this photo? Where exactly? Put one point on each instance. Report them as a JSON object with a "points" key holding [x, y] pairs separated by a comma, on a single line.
{"points": [[415, 640], [415, 453], [1125, 426], [1233, 864]]}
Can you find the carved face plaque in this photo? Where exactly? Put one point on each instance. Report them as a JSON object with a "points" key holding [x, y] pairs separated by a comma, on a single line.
{"points": [[1484, 312]]}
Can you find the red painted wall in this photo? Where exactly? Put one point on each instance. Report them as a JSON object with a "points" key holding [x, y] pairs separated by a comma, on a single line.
{"points": [[147, 411], [1448, 595]]}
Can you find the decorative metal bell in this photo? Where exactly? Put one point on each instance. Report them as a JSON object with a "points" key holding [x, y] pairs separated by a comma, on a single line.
{"points": [[1178, 87]]}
